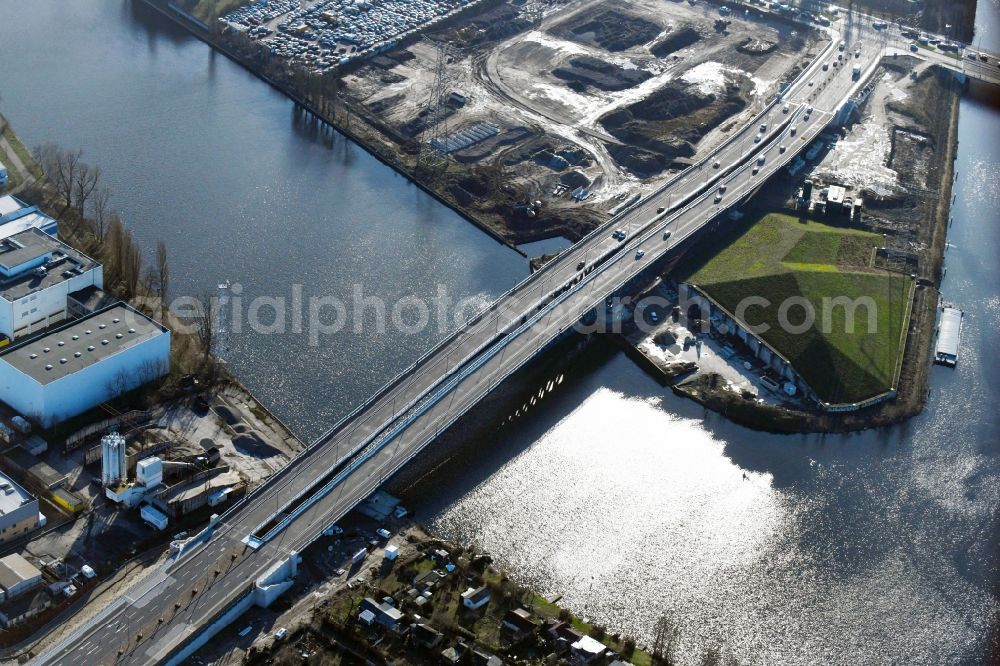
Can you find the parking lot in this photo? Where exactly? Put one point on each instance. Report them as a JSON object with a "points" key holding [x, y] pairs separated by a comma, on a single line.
{"points": [[322, 34]]}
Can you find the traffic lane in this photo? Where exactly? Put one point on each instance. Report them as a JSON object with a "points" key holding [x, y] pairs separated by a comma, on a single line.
{"points": [[372, 473], [391, 452], [729, 148]]}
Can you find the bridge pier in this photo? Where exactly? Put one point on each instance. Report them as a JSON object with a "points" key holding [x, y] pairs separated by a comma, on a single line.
{"points": [[277, 580]]}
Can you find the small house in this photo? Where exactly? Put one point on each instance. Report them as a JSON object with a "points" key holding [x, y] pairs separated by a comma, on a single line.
{"points": [[476, 597], [587, 649], [426, 635], [518, 621], [383, 613]]}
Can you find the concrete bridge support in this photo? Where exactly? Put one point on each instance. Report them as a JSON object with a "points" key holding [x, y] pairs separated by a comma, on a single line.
{"points": [[276, 581]]}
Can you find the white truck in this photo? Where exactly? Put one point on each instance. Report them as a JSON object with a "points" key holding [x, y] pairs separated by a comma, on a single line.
{"points": [[154, 517]]}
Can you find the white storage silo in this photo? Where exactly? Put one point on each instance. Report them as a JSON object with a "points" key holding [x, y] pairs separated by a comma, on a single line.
{"points": [[112, 459]]}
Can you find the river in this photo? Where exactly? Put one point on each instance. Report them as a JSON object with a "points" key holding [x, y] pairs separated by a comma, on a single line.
{"points": [[879, 547], [875, 547], [242, 187]]}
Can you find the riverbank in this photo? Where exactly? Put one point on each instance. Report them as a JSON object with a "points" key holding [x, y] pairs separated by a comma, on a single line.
{"points": [[921, 125], [490, 113], [343, 119]]}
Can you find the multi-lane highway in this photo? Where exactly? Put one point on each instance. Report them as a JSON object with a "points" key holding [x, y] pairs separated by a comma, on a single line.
{"points": [[174, 604]]}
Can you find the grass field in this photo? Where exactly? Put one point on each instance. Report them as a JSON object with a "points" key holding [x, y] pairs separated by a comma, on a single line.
{"points": [[805, 266]]}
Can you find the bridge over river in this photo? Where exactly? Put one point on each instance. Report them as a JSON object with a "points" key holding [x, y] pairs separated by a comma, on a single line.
{"points": [[248, 555]]}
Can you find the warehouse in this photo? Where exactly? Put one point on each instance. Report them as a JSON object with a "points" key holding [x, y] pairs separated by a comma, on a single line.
{"points": [[83, 363], [37, 272]]}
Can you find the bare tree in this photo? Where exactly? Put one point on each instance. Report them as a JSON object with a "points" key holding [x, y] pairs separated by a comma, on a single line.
{"points": [[85, 180], [131, 266], [118, 384], [664, 642], [102, 214], [60, 166], [206, 324], [162, 269]]}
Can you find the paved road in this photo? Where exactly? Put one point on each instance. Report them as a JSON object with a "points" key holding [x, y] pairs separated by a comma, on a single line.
{"points": [[171, 606]]}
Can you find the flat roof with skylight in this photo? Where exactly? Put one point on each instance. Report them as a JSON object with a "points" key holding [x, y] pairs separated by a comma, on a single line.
{"points": [[82, 343]]}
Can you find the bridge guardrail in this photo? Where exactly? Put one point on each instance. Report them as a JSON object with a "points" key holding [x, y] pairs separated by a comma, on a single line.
{"points": [[559, 259]]}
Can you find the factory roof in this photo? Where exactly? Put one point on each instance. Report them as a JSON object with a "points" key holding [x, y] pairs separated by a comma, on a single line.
{"points": [[16, 216], [81, 343], [61, 263], [12, 496], [92, 298], [10, 204], [25, 247], [15, 570], [34, 466]]}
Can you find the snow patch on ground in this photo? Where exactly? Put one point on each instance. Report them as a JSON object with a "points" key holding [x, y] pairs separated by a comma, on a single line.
{"points": [[710, 78], [860, 160]]}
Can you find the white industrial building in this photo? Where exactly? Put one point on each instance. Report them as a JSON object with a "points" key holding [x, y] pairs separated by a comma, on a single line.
{"points": [[17, 216], [18, 576], [37, 273], [148, 477], [83, 363], [18, 510]]}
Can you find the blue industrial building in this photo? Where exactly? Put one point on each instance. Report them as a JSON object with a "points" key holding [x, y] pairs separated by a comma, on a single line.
{"points": [[83, 363], [17, 216]]}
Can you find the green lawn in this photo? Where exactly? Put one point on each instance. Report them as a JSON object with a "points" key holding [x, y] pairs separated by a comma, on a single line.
{"points": [[778, 257]]}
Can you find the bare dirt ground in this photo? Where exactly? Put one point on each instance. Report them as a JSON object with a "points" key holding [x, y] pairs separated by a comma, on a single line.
{"points": [[565, 86]]}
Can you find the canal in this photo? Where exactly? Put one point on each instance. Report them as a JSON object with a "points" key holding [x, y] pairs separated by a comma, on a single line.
{"points": [[875, 547]]}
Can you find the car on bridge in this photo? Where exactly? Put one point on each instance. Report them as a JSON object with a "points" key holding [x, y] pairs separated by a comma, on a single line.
{"points": [[639, 254], [618, 235]]}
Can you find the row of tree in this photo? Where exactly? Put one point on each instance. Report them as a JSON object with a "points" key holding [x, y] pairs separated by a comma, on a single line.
{"points": [[88, 222]]}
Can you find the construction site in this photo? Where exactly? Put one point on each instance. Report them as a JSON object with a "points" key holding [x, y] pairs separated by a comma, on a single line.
{"points": [[540, 119]]}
